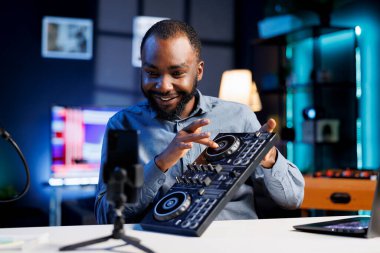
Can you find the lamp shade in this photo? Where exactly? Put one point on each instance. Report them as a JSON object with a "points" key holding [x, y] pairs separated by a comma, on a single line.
{"points": [[255, 101], [237, 86]]}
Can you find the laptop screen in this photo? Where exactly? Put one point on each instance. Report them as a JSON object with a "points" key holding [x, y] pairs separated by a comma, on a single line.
{"points": [[361, 224]]}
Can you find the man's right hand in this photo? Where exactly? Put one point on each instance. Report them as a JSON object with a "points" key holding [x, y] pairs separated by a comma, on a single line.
{"points": [[183, 142]]}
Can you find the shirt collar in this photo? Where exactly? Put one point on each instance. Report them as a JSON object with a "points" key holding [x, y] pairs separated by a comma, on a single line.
{"points": [[203, 104]]}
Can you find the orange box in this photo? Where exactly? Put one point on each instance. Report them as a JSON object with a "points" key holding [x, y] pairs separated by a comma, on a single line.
{"points": [[338, 194]]}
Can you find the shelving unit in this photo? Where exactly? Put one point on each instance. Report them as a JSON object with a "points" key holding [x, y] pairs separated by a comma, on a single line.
{"points": [[316, 69]]}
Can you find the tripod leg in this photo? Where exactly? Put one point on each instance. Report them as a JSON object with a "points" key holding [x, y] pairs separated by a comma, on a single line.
{"points": [[135, 242], [85, 243]]}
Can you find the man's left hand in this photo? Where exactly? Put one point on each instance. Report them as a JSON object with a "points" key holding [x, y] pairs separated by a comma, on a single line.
{"points": [[271, 157]]}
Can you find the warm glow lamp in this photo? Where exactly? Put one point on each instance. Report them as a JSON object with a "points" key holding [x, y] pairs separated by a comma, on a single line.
{"points": [[255, 102], [237, 86]]}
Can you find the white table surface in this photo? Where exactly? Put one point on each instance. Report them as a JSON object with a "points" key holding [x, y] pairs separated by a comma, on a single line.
{"points": [[272, 235]]}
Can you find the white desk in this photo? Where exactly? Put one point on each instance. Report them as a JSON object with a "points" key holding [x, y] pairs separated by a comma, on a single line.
{"points": [[275, 235]]}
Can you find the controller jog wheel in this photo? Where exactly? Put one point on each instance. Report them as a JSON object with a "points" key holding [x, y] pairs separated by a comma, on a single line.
{"points": [[228, 144], [172, 205]]}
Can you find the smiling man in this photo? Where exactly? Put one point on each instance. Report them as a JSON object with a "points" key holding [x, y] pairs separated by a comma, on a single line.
{"points": [[169, 79], [177, 123]]}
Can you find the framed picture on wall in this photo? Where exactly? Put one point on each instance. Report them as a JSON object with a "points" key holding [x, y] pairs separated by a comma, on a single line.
{"points": [[141, 25], [69, 38]]}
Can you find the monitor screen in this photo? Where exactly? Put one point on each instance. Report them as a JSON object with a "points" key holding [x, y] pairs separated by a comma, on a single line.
{"points": [[76, 142]]}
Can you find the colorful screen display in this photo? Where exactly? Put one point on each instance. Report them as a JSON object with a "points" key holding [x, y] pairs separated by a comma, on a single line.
{"points": [[76, 142]]}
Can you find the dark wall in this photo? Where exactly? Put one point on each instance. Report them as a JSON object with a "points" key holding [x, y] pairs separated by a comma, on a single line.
{"points": [[30, 84]]}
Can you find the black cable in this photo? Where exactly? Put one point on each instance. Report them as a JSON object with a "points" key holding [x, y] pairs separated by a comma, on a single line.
{"points": [[4, 134]]}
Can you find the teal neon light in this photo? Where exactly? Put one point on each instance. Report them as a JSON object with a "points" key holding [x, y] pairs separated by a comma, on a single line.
{"points": [[358, 73], [289, 52], [289, 109], [359, 145], [290, 151], [358, 30], [299, 55], [369, 103], [332, 40], [359, 140]]}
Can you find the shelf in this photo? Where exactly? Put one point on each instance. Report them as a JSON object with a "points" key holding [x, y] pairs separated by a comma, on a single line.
{"points": [[299, 88], [298, 35], [340, 143], [277, 91], [309, 87], [319, 75], [347, 84]]}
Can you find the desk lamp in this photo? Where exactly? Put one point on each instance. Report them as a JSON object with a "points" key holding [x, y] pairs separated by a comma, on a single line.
{"points": [[237, 86]]}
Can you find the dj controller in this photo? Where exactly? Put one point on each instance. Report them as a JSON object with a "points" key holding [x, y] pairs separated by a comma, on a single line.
{"points": [[208, 184]]}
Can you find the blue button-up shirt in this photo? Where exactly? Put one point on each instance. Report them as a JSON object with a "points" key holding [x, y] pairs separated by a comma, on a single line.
{"points": [[284, 182]]}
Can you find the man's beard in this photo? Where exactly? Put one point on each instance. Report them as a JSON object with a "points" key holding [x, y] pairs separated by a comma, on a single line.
{"points": [[176, 113]]}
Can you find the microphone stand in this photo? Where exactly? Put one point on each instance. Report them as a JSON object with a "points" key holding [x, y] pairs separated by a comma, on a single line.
{"points": [[6, 136], [117, 198]]}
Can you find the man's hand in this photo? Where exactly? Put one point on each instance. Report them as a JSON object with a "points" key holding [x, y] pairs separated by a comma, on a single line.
{"points": [[271, 157], [183, 142]]}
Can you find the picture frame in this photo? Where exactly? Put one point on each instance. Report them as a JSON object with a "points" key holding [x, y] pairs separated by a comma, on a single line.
{"points": [[141, 25], [69, 38]]}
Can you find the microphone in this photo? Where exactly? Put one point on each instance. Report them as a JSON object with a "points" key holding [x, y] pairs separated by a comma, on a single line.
{"points": [[4, 134]]}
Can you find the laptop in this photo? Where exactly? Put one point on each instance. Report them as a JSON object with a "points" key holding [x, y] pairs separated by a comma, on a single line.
{"points": [[361, 226]]}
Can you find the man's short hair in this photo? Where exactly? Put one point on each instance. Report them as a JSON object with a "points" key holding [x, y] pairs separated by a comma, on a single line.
{"points": [[169, 28]]}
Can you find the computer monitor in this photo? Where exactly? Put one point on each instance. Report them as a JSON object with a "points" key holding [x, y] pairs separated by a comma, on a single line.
{"points": [[76, 141]]}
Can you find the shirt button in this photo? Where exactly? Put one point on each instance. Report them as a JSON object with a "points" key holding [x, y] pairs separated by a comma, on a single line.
{"points": [[161, 181]]}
